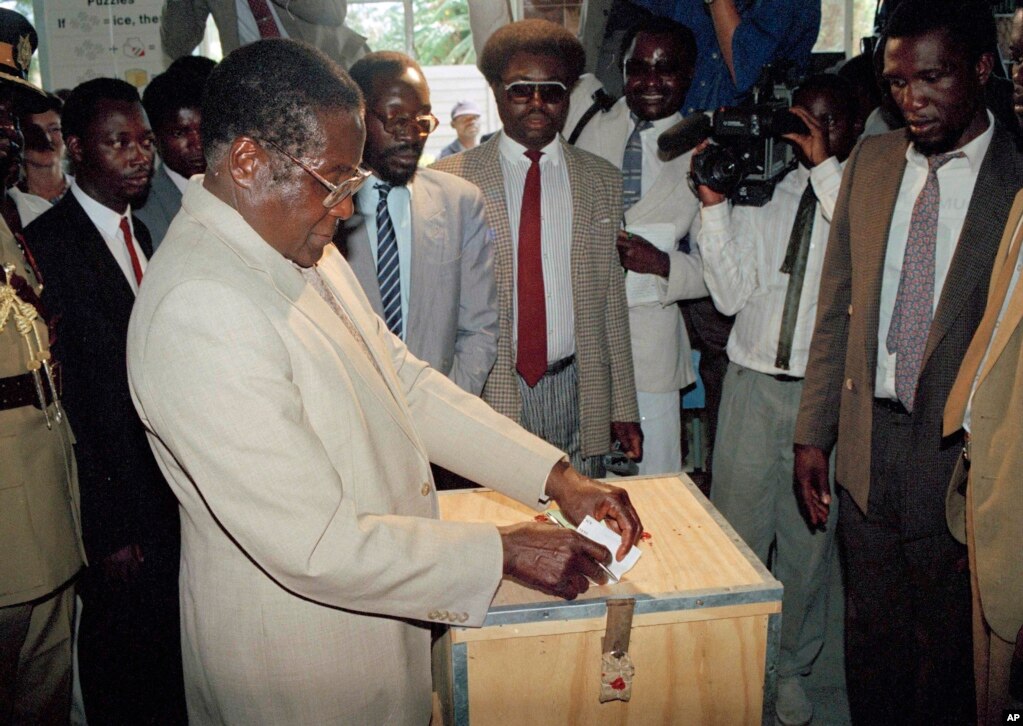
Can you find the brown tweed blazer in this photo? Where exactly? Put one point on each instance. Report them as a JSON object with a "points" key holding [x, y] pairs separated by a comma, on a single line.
{"points": [[607, 389], [839, 389]]}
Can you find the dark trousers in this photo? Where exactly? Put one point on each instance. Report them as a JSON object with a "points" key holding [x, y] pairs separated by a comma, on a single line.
{"points": [[908, 643], [708, 333], [129, 644]]}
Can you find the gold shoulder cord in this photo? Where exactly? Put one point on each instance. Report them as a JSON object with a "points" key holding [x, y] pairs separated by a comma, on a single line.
{"points": [[25, 316]]}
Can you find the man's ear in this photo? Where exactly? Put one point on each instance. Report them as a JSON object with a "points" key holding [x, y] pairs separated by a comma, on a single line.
{"points": [[73, 144], [245, 160], [985, 64]]}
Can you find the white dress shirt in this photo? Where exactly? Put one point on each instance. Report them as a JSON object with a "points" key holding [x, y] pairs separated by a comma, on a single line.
{"points": [[652, 163], [956, 180], [248, 30], [399, 207], [108, 223], [179, 181], [743, 251], [555, 236]]}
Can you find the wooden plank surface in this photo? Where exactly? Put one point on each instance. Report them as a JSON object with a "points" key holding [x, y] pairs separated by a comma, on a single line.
{"points": [[687, 551]]}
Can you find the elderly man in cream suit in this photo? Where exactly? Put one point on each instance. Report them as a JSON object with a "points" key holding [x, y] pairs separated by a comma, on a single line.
{"points": [[297, 432], [657, 200]]}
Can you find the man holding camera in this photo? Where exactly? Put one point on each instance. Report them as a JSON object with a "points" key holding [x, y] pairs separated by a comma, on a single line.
{"points": [[763, 265], [913, 241]]}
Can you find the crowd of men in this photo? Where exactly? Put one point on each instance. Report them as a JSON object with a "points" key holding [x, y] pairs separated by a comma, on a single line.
{"points": [[229, 450]]}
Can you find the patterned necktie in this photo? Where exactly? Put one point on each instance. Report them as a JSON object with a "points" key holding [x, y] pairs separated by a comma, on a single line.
{"points": [[388, 271], [531, 357], [632, 165], [264, 19], [911, 317], [136, 266], [795, 267]]}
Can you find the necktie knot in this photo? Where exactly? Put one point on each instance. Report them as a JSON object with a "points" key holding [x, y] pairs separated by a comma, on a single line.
{"points": [[939, 160], [383, 188], [641, 124], [533, 155]]}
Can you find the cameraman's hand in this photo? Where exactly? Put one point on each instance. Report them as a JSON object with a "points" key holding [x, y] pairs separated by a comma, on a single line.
{"points": [[707, 196], [814, 145], [551, 559]]}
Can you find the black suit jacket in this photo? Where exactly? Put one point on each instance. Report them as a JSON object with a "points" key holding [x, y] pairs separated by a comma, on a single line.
{"points": [[125, 499]]}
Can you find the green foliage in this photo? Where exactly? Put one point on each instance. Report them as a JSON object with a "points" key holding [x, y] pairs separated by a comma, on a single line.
{"points": [[441, 29]]}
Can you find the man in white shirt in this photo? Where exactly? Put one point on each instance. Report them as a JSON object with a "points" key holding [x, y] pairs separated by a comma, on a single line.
{"points": [[763, 265], [657, 201], [913, 241], [172, 102], [92, 254]]}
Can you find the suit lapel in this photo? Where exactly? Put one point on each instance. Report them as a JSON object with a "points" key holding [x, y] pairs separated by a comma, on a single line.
{"points": [[97, 257], [427, 216], [360, 257], [982, 231], [1014, 311]]}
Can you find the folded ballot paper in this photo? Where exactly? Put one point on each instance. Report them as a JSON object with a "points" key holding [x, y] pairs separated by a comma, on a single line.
{"points": [[641, 289], [601, 534]]}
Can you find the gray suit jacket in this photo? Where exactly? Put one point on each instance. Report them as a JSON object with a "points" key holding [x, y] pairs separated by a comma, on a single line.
{"points": [[607, 386], [838, 392], [317, 22], [452, 317], [163, 203]]}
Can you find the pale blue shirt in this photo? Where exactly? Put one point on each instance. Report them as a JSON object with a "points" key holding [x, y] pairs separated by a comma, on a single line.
{"points": [[399, 207], [248, 31]]}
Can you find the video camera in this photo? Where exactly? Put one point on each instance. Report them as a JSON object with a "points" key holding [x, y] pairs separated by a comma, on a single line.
{"points": [[747, 157]]}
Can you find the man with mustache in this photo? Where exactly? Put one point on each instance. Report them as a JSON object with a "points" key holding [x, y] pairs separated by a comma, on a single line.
{"points": [[418, 241], [564, 362], [904, 284], [93, 253], [172, 104]]}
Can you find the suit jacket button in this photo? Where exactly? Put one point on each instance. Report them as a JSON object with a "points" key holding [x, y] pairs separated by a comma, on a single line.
{"points": [[462, 617], [849, 383], [433, 615], [850, 309], [425, 489]]}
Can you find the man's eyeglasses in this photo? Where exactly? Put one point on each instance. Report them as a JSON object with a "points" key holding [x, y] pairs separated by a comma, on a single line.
{"points": [[524, 91], [423, 125], [338, 192], [635, 67]]}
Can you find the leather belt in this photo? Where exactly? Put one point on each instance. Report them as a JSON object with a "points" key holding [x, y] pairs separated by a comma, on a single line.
{"points": [[782, 378], [558, 366], [891, 405], [19, 391]]}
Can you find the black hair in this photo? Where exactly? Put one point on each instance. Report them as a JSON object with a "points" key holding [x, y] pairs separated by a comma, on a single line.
{"points": [[80, 106], [968, 23], [196, 65], [662, 26], [540, 37], [272, 90], [839, 88], [385, 64], [51, 102], [170, 92]]}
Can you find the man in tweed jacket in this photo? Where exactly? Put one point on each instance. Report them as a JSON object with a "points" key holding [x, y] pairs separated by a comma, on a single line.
{"points": [[908, 621], [586, 397]]}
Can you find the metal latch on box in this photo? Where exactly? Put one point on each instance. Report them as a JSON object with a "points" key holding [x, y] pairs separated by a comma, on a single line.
{"points": [[616, 669]]}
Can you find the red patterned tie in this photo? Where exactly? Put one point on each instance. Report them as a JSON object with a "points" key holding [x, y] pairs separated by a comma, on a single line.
{"points": [[264, 19], [136, 266], [531, 360], [911, 317]]}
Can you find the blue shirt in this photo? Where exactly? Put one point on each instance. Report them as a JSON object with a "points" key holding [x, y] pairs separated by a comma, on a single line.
{"points": [[769, 30]]}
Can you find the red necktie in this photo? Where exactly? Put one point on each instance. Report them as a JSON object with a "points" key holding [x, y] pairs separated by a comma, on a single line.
{"points": [[264, 19], [531, 360], [136, 266]]}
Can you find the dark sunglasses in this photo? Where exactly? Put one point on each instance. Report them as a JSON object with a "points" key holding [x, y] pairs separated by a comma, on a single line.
{"points": [[524, 91]]}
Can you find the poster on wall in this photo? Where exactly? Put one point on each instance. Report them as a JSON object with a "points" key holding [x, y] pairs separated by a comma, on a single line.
{"points": [[83, 39]]}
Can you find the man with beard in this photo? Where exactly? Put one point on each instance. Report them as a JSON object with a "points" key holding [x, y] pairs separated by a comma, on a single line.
{"points": [[39, 533], [172, 104], [93, 253], [564, 362], [658, 66], [418, 241], [913, 240]]}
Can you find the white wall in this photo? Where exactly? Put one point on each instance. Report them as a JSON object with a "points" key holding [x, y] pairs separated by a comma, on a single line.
{"points": [[448, 85]]}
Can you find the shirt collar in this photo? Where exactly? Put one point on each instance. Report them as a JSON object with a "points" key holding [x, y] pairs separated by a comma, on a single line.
{"points": [[974, 150], [368, 196], [179, 181], [106, 219], [515, 152]]}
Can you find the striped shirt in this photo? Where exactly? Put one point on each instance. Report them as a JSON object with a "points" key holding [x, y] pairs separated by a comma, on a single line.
{"points": [[555, 236]]}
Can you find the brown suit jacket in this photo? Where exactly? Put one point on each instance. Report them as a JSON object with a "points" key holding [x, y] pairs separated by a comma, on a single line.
{"points": [[839, 389], [607, 386], [996, 455]]}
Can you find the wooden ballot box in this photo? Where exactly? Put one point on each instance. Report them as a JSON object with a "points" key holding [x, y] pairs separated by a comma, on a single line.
{"points": [[703, 641]]}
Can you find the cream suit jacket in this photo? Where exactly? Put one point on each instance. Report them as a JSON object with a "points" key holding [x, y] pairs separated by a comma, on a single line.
{"points": [[312, 557], [661, 353], [452, 316], [996, 448]]}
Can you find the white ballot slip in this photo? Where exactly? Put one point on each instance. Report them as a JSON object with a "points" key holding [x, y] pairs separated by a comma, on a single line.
{"points": [[641, 289], [602, 534]]}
